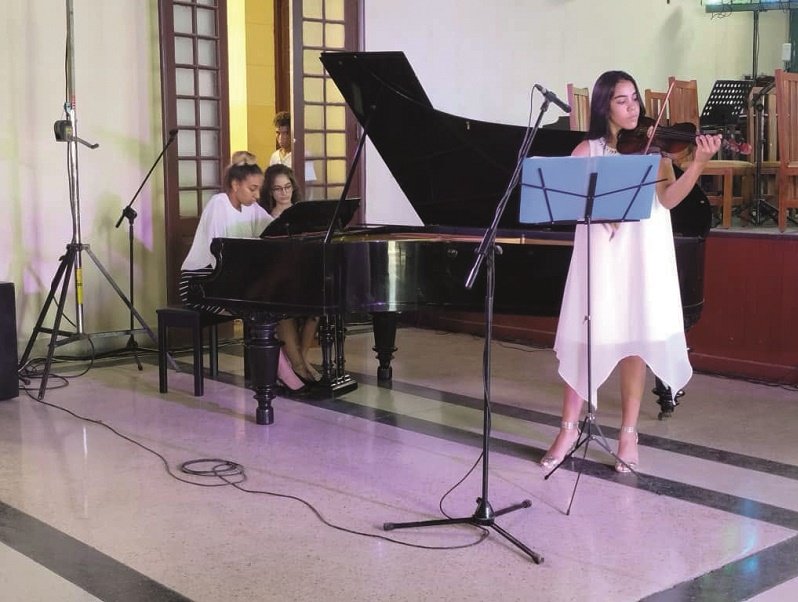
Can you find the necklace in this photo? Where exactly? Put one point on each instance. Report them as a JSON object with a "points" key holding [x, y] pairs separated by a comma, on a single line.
{"points": [[608, 150]]}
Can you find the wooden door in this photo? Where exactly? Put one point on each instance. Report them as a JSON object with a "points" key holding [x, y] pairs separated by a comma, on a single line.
{"points": [[195, 103]]}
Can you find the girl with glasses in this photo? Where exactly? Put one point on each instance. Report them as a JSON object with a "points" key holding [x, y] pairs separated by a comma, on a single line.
{"points": [[280, 191]]}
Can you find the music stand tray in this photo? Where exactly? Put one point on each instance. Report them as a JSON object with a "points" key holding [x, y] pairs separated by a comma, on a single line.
{"points": [[726, 102], [561, 190]]}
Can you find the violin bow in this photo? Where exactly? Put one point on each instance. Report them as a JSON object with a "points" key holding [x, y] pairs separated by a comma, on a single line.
{"points": [[659, 117]]}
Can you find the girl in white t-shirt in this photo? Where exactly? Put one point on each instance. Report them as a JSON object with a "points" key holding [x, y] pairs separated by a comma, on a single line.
{"points": [[231, 214]]}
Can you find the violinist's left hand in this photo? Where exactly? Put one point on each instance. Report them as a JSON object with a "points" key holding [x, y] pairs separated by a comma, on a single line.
{"points": [[706, 147]]}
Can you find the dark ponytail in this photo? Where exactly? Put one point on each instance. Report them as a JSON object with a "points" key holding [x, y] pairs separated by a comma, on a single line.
{"points": [[240, 172]]}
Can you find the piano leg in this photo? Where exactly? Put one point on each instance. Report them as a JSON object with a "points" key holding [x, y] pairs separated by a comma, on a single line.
{"points": [[384, 324], [263, 351], [334, 381], [326, 338], [340, 358]]}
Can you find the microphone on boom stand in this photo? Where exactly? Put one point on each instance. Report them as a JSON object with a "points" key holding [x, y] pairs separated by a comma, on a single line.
{"points": [[130, 214], [552, 97], [128, 209]]}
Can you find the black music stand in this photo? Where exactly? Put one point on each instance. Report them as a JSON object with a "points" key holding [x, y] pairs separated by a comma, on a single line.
{"points": [[726, 103], [312, 216], [568, 190]]}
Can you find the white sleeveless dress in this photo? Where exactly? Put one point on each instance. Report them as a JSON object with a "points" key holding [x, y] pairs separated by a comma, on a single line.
{"points": [[636, 307]]}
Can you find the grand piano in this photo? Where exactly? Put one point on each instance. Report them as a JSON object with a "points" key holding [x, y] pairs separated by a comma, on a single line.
{"points": [[453, 170]]}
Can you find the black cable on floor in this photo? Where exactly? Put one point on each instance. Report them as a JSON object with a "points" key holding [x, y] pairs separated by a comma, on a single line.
{"points": [[233, 474]]}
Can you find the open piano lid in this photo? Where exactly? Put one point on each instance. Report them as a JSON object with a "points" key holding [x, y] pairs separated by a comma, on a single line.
{"points": [[453, 170]]}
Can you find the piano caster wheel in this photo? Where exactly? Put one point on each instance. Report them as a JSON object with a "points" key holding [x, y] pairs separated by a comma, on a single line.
{"points": [[264, 416]]}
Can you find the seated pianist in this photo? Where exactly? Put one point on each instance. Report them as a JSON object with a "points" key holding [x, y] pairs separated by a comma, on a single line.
{"points": [[280, 191], [234, 213]]}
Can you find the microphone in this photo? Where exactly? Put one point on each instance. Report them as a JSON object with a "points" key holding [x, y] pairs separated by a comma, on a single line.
{"points": [[172, 133], [552, 97]]}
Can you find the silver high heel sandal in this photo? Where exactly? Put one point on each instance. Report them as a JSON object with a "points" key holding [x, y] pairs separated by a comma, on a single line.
{"points": [[627, 466], [549, 461]]}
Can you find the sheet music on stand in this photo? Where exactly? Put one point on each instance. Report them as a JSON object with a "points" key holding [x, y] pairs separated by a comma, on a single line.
{"points": [[560, 196]]}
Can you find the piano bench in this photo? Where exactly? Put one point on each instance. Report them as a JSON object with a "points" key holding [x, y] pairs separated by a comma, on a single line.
{"points": [[183, 317]]}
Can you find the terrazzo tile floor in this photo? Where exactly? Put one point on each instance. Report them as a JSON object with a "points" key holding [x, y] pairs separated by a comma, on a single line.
{"points": [[86, 514]]}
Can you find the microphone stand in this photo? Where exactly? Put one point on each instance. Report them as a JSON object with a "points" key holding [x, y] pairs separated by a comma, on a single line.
{"points": [[130, 214], [760, 203], [485, 515]]}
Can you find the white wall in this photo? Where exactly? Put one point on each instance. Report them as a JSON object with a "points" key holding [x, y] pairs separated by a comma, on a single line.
{"points": [[117, 87], [475, 58], [480, 59]]}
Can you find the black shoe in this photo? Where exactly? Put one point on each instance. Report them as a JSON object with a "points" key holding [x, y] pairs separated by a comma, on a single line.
{"points": [[285, 391], [308, 382]]}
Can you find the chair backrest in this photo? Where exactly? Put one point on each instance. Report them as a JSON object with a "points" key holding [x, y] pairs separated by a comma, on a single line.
{"points": [[683, 103], [654, 101], [787, 111], [770, 150], [579, 99]]}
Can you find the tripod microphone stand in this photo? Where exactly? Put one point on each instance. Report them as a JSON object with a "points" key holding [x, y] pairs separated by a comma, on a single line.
{"points": [[130, 215], [66, 131], [485, 515]]}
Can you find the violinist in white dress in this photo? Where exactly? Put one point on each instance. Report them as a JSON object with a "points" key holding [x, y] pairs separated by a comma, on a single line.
{"points": [[636, 310]]}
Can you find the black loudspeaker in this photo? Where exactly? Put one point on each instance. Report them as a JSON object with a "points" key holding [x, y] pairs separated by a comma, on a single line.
{"points": [[9, 383]]}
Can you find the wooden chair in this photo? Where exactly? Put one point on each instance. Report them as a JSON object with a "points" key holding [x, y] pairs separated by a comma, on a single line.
{"points": [[683, 103], [683, 108], [787, 111], [579, 99], [654, 101]]}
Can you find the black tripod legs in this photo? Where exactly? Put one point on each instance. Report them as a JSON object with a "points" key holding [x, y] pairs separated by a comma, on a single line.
{"points": [[483, 517], [590, 431], [60, 286]]}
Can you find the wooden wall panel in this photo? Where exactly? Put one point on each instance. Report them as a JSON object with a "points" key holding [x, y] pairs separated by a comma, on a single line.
{"points": [[749, 326]]}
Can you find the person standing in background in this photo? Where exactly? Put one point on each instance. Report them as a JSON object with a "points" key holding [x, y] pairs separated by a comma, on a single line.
{"points": [[283, 154]]}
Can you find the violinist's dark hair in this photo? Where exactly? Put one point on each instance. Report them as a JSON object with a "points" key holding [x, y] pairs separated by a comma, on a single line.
{"points": [[600, 101], [239, 172], [266, 199]]}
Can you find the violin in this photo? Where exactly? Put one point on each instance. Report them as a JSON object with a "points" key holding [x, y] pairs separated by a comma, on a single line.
{"points": [[672, 140]]}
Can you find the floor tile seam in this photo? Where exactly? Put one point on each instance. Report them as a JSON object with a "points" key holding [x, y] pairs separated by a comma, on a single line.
{"points": [[722, 501], [737, 580], [68, 557], [525, 451], [384, 416], [703, 452], [743, 461]]}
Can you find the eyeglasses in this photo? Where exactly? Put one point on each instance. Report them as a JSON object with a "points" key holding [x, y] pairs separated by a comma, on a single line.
{"points": [[286, 188]]}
